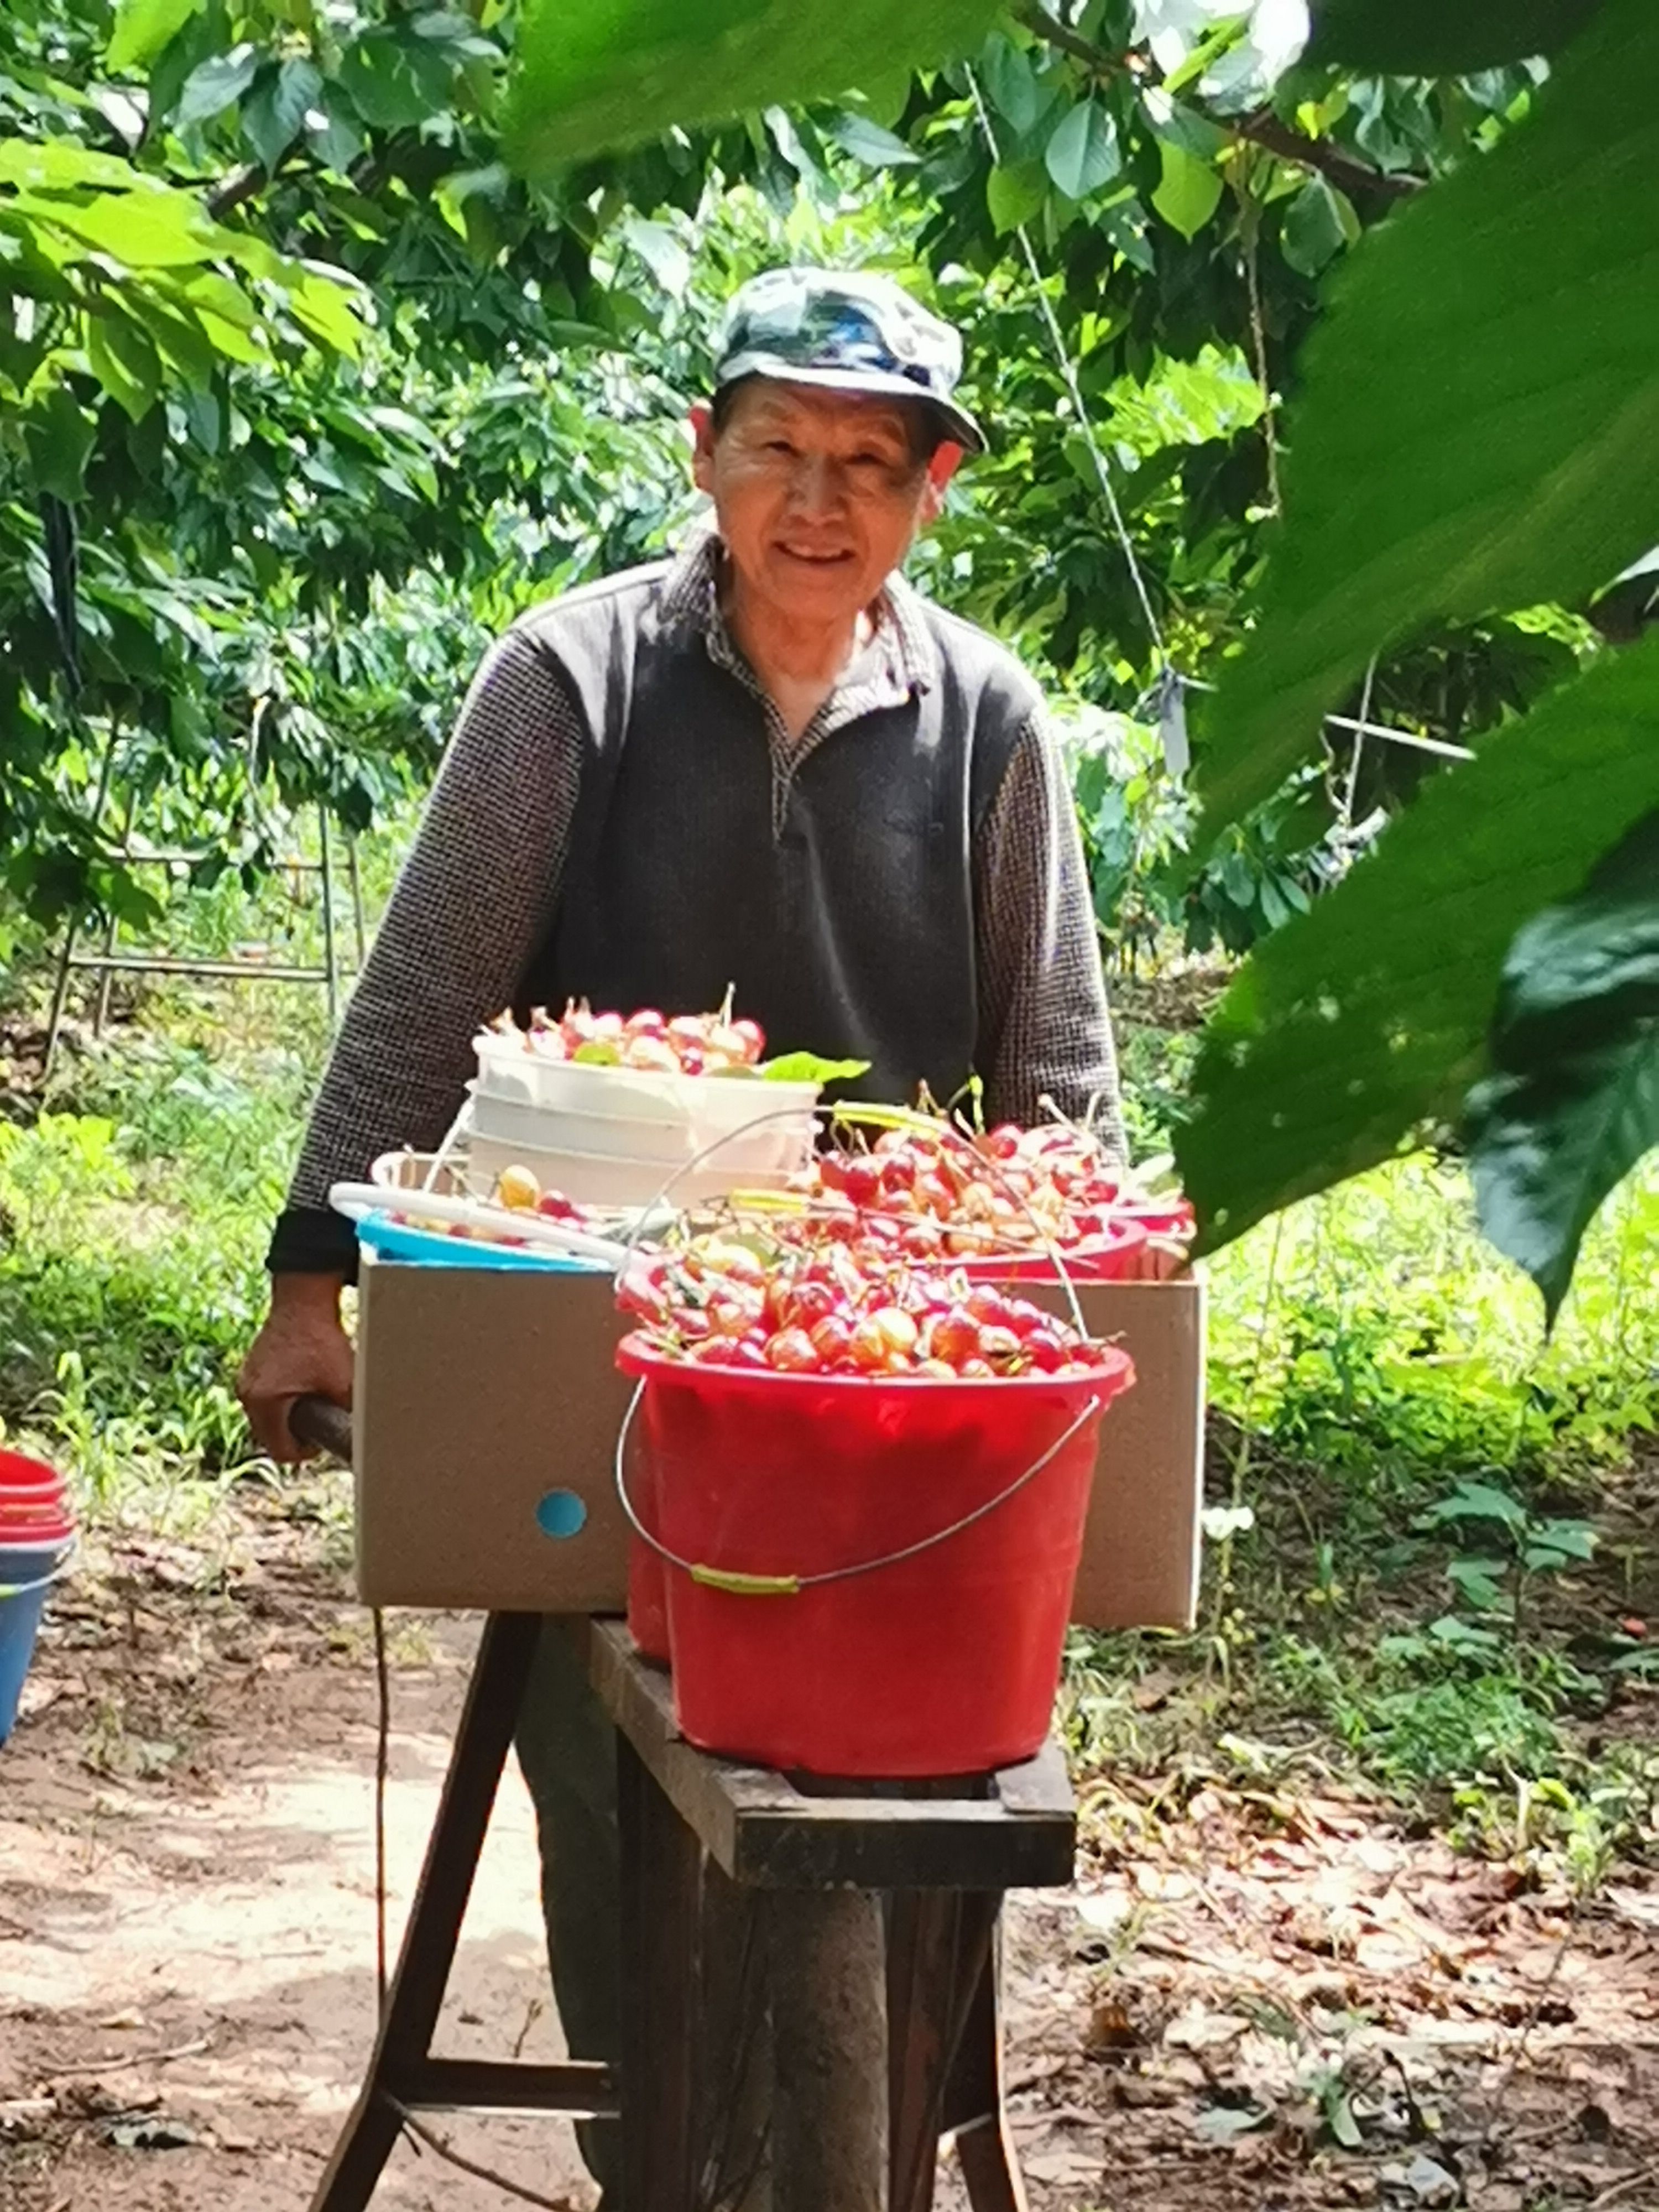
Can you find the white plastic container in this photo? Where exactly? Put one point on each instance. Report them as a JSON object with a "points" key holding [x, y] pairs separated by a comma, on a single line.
{"points": [[507, 1069], [783, 1143], [698, 1109], [611, 1180]]}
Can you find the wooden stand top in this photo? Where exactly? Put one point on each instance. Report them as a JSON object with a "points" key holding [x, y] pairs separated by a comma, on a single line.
{"points": [[1016, 1829]]}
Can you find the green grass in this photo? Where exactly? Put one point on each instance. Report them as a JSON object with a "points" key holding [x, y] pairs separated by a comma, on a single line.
{"points": [[135, 1204], [130, 1278]]}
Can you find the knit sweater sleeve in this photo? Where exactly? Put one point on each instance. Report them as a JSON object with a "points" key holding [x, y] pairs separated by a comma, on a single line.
{"points": [[1045, 1028], [474, 899]]}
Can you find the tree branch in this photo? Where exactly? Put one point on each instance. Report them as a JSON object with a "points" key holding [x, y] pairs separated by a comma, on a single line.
{"points": [[1335, 163], [230, 191], [1054, 33], [1262, 128]]}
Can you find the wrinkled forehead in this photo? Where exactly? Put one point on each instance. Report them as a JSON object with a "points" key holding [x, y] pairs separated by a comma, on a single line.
{"points": [[765, 401]]}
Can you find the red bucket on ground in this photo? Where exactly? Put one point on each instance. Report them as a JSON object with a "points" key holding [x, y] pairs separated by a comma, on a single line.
{"points": [[33, 1500], [943, 1663], [37, 1531]]}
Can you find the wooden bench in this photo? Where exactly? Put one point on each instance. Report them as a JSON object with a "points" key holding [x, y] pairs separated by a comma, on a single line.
{"points": [[871, 1909]]}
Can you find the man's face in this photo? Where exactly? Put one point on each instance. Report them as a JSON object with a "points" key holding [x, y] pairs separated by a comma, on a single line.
{"points": [[817, 494]]}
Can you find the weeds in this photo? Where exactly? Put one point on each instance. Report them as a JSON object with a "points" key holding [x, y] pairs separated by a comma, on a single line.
{"points": [[131, 1274], [1417, 1581]]}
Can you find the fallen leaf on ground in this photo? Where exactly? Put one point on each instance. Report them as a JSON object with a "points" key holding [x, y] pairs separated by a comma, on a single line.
{"points": [[151, 2135], [1110, 2027]]}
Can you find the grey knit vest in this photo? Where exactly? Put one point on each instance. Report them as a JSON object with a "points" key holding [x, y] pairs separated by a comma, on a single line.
{"points": [[848, 927]]}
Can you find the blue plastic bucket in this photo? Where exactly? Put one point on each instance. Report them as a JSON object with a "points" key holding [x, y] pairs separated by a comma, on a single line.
{"points": [[26, 1572]]}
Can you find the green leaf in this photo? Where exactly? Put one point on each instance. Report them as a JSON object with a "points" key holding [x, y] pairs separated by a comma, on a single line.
{"points": [[1011, 84], [395, 82], [885, 97], [56, 165], [59, 434], [1015, 195], [142, 28], [337, 141], [1175, 124], [868, 142], [1475, 1501], [124, 360], [215, 84], [1338, 2109], [1479, 1583], [179, 336], [1458, 1636], [325, 301], [152, 228], [1190, 191], [1083, 154], [1125, 225], [591, 75], [274, 117], [662, 250], [1426, 38], [810, 1067], [1479, 425], [1313, 232], [1353, 1024], [1567, 1539], [1574, 1101]]}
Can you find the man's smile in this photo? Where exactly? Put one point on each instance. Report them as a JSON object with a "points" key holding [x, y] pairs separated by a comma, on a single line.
{"points": [[818, 557]]}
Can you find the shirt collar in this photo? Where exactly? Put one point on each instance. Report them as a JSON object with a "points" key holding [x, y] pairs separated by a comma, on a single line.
{"points": [[905, 660]]}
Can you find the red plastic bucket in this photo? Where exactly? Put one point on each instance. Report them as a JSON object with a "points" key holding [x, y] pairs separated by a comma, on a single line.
{"points": [[34, 1501], [37, 1531], [943, 1662], [647, 1575], [56, 1527], [1111, 1258]]}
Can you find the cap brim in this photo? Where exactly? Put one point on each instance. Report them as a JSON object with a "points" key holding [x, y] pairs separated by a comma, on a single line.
{"points": [[959, 425]]}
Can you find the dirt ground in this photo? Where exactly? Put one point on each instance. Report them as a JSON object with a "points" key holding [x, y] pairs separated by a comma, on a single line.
{"points": [[1266, 2002]]}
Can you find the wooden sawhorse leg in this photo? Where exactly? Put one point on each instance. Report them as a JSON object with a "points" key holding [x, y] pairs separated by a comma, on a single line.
{"points": [[945, 2061], [974, 2110], [661, 1892], [403, 2074]]}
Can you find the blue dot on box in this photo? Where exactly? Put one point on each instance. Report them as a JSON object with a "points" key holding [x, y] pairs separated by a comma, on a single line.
{"points": [[560, 1513]]}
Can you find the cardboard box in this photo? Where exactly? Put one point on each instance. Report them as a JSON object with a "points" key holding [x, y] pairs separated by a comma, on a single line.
{"points": [[480, 1393]]}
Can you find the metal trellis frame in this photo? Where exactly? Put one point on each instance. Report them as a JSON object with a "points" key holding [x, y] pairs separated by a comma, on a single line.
{"points": [[107, 961]]}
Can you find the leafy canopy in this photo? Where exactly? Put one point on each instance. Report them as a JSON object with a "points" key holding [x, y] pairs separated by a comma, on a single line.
{"points": [[1477, 430]]}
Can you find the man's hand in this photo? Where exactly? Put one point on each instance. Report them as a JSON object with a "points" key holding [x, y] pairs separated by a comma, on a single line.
{"points": [[302, 1349]]}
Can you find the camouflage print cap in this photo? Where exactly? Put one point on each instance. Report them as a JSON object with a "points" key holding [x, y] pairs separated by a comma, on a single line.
{"points": [[844, 331]]}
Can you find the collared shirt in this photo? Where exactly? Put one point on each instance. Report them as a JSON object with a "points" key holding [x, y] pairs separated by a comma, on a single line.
{"points": [[898, 657], [482, 886]]}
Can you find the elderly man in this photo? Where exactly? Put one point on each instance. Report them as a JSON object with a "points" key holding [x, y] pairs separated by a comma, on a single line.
{"points": [[766, 762]]}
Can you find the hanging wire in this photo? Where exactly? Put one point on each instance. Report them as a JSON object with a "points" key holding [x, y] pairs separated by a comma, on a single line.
{"points": [[1362, 725], [1068, 373], [1259, 341], [451, 2156], [1350, 788], [382, 1768], [1167, 677]]}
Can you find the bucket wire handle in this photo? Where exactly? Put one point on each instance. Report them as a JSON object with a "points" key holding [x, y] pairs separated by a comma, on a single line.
{"points": [[649, 1216], [751, 1585], [878, 1117], [41, 1581]]}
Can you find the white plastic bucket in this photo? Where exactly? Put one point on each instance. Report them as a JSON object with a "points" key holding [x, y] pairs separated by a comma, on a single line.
{"points": [[711, 1104], [608, 1179], [772, 1144]]}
